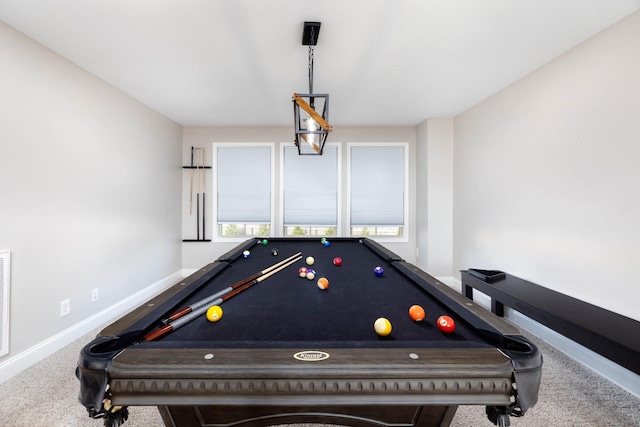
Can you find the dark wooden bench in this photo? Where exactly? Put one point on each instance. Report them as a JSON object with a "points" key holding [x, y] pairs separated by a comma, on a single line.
{"points": [[609, 334]]}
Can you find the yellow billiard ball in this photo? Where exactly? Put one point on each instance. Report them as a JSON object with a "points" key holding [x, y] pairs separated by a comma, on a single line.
{"points": [[382, 326], [214, 313]]}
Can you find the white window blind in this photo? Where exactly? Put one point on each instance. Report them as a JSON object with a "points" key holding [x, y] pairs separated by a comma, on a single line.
{"points": [[310, 188], [244, 184], [377, 185]]}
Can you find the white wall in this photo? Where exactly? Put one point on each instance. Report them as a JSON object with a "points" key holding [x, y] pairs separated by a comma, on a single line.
{"points": [[89, 192], [197, 254], [435, 197], [547, 174]]}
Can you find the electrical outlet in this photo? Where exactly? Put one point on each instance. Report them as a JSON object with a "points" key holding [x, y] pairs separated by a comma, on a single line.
{"points": [[94, 295], [65, 307]]}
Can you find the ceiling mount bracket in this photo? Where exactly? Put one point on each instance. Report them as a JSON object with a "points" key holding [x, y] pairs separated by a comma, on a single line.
{"points": [[310, 33]]}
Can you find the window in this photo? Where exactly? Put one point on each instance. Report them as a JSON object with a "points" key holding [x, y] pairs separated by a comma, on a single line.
{"points": [[244, 181], [378, 188], [310, 196]]}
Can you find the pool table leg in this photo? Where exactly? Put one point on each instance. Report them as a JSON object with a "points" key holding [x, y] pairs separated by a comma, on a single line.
{"points": [[355, 416]]}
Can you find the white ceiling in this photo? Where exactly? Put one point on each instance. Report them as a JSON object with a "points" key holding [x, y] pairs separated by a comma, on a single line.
{"points": [[383, 62]]}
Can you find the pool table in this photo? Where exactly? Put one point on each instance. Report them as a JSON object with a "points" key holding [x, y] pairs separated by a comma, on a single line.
{"points": [[286, 351]]}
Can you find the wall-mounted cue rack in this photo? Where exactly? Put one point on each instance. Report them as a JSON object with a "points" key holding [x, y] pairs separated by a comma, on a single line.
{"points": [[198, 182]]}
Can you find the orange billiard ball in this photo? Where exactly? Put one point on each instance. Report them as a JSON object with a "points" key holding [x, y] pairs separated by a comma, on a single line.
{"points": [[416, 313], [323, 283]]}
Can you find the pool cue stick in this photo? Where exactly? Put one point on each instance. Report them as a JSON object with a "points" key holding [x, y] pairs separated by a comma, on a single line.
{"points": [[204, 190], [207, 300], [198, 195], [191, 184], [159, 333]]}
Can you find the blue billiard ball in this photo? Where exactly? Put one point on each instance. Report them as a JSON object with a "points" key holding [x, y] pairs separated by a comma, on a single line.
{"points": [[326, 243], [379, 271], [246, 254]]}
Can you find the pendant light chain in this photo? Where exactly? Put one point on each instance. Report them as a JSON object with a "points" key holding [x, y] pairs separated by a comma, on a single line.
{"points": [[313, 38], [310, 69]]}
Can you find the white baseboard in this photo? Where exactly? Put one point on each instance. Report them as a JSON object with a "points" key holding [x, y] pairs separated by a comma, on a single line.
{"points": [[18, 363], [622, 377]]}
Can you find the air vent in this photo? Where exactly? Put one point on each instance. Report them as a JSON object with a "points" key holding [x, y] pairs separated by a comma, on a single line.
{"points": [[4, 301]]}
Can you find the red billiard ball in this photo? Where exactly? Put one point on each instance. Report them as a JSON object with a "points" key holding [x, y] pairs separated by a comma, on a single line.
{"points": [[446, 324], [337, 261], [302, 272]]}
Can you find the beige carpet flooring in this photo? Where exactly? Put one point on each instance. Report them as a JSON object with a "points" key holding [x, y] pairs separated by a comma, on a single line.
{"points": [[571, 395]]}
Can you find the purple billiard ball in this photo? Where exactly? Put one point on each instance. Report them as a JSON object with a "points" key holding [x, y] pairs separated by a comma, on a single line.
{"points": [[378, 271]]}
